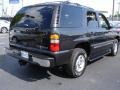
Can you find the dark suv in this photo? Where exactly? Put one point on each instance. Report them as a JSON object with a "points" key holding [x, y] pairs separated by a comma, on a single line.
{"points": [[61, 34]]}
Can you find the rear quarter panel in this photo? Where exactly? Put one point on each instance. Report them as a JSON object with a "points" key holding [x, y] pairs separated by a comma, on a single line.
{"points": [[70, 37]]}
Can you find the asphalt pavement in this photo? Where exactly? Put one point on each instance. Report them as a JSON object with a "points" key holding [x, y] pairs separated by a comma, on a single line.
{"points": [[103, 74]]}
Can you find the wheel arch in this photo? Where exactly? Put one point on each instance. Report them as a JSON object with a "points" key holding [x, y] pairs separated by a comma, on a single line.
{"points": [[3, 27], [86, 46]]}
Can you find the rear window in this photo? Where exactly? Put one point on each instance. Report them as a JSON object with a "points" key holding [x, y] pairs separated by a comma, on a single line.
{"points": [[34, 16], [71, 16]]}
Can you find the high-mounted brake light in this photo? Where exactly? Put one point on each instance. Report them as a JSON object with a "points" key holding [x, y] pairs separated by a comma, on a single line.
{"points": [[54, 43]]}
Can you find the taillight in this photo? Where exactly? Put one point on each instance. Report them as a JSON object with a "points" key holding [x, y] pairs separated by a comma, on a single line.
{"points": [[54, 43]]}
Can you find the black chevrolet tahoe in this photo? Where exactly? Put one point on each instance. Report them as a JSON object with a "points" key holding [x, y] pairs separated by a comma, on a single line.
{"points": [[61, 34]]}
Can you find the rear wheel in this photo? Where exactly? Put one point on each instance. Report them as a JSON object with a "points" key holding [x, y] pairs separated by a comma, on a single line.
{"points": [[78, 62], [4, 30], [114, 49]]}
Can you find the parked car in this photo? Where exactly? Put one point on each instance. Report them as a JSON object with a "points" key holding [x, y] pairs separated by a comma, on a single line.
{"points": [[113, 23], [117, 26], [61, 34], [4, 26], [6, 18]]}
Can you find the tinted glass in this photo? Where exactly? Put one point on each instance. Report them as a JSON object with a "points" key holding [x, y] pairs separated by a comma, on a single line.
{"points": [[39, 16], [71, 16]]}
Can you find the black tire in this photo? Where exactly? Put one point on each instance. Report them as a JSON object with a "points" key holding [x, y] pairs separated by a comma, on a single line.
{"points": [[4, 30], [71, 67], [114, 49]]}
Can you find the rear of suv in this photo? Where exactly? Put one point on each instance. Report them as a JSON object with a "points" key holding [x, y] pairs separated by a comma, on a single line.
{"points": [[56, 34], [34, 33]]}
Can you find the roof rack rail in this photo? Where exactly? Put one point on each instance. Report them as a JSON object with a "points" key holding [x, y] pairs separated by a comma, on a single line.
{"points": [[77, 4], [62, 1], [59, 2], [67, 2]]}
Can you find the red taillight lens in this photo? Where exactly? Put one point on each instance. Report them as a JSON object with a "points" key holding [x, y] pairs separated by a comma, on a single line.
{"points": [[54, 47], [54, 43]]}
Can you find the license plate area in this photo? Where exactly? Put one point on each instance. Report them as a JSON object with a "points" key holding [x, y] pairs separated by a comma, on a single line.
{"points": [[24, 54]]}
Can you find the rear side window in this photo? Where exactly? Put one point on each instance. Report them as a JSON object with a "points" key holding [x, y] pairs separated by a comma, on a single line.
{"points": [[34, 16], [71, 16]]}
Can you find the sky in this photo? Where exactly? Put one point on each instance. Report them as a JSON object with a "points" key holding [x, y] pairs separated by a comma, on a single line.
{"points": [[100, 5]]}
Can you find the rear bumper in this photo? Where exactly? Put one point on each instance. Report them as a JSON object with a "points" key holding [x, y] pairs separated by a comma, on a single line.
{"points": [[44, 60]]}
